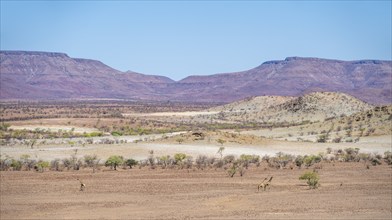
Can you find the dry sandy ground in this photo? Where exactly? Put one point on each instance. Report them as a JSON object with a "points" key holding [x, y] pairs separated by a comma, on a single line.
{"points": [[208, 194]]}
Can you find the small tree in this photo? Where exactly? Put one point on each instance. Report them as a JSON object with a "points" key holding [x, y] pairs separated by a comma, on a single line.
{"points": [[233, 169], [311, 178], [299, 160], [114, 161], [131, 162], [91, 161], [16, 165], [164, 160], [322, 138], [179, 157]]}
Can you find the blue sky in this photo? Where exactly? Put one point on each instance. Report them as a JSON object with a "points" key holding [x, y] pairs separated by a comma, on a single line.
{"points": [[178, 39]]}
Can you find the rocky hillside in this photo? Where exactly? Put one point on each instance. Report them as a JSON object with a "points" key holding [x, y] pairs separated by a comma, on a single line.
{"points": [[44, 75], [317, 106]]}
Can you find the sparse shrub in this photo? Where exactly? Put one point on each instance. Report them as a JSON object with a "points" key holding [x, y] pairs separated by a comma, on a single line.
{"points": [[114, 161], [163, 161], [16, 165], [233, 169], [337, 140], [201, 161], [229, 159], [388, 157], [311, 178], [363, 157], [280, 161], [375, 161], [246, 159], [179, 157], [219, 163], [322, 138], [188, 162], [91, 161], [4, 126], [42, 165], [299, 160], [265, 158], [312, 159], [27, 162], [55, 165]]}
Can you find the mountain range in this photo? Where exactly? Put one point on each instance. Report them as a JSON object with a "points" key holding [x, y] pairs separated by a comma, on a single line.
{"points": [[46, 75]]}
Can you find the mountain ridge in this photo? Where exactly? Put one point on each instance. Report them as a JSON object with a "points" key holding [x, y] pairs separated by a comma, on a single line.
{"points": [[51, 75]]}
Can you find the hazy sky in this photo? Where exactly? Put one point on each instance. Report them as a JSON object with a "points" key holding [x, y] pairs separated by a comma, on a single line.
{"points": [[177, 39]]}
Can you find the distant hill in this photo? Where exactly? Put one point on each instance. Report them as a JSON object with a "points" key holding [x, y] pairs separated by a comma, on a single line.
{"points": [[45, 75], [316, 106]]}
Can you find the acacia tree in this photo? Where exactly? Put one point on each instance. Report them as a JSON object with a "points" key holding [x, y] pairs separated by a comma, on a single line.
{"points": [[114, 161], [131, 162], [91, 161]]}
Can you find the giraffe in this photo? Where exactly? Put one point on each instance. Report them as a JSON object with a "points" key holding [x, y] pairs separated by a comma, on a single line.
{"points": [[264, 184], [82, 185]]}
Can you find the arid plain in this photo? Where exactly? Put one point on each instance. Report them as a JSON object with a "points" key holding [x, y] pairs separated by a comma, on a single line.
{"points": [[200, 161]]}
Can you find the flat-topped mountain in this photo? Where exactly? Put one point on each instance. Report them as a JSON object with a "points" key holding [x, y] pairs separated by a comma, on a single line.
{"points": [[45, 75], [41, 75], [369, 80]]}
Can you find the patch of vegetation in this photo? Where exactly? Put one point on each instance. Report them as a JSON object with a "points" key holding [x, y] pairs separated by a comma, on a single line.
{"points": [[312, 179]]}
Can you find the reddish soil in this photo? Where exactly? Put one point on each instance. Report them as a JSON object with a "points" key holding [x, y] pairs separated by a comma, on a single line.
{"points": [[347, 191]]}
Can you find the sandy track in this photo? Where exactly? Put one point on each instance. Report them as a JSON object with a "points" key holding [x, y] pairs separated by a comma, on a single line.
{"points": [[208, 194]]}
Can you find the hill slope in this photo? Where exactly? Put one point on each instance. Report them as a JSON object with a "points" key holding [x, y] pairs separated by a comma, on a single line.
{"points": [[316, 106], [44, 75]]}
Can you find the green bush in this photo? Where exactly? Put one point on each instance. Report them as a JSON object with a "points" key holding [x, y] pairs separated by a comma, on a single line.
{"points": [[312, 159], [117, 133], [41, 165], [93, 134], [179, 157], [131, 162], [114, 161], [16, 164], [311, 178]]}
